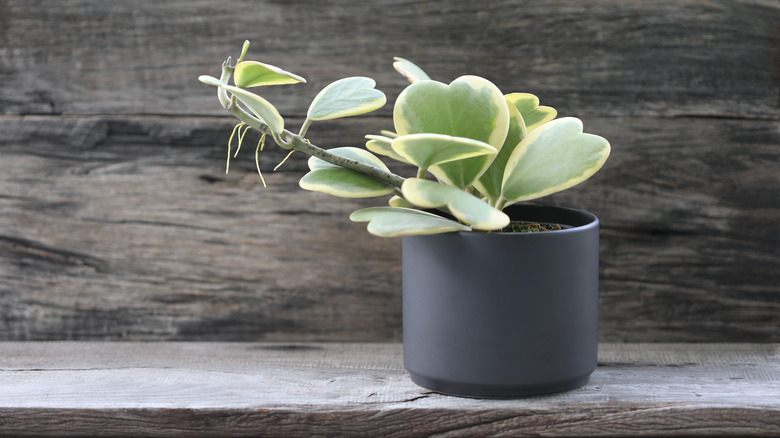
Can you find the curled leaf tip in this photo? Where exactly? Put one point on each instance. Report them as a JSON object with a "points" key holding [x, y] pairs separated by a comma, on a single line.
{"points": [[409, 70], [210, 80], [244, 50], [249, 74]]}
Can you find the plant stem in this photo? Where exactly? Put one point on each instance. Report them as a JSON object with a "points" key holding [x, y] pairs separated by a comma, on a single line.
{"points": [[288, 140], [305, 127], [500, 203]]}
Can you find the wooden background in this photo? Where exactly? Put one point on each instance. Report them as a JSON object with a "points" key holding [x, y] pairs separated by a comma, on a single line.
{"points": [[118, 222]]}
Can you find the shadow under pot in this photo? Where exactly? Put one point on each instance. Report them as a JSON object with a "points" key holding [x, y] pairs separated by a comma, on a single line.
{"points": [[500, 315]]}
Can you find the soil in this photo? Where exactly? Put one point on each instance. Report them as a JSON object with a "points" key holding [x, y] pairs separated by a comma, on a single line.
{"points": [[529, 227]]}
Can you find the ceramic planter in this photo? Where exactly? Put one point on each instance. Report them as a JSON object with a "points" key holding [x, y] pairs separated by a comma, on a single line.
{"points": [[503, 314]]}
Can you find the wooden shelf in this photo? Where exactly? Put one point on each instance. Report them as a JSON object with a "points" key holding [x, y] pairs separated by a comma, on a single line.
{"points": [[336, 389]]}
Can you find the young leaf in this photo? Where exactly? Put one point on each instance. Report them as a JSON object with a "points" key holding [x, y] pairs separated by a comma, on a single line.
{"points": [[426, 150], [254, 74], [346, 97], [394, 222], [337, 181], [467, 208], [533, 114], [260, 107], [554, 157], [409, 70]]}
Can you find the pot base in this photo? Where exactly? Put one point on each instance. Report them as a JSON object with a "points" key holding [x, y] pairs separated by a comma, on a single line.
{"points": [[498, 391]]}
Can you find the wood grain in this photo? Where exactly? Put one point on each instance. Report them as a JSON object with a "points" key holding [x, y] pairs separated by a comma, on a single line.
{"points": [[134, 232], [117, 221], [605, 57], [251, 389]]}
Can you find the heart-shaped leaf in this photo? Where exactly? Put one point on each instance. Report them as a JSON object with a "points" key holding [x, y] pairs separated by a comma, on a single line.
{"points": [[379, 144], [254, 74], [337, 181], [533, 114], [469, 107], [260, 107], [465, 207], [489, 184], [426, 150], [394, 222], [554, 157], [409, 70], [343, 183], [346, 97]]}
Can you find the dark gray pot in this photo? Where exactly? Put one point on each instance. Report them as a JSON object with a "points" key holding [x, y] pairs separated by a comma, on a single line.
{"points": [[503, 314]]}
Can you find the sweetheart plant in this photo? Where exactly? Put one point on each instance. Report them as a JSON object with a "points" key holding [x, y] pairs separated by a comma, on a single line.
{"points": [[485, 150]]}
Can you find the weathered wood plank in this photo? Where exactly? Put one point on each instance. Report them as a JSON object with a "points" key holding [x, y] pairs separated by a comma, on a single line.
{"points": [[250, 389], [130, 235], [606, 57], [127, 228]]}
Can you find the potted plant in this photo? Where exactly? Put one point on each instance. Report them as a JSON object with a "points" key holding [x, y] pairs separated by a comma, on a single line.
{"points": [[499, 298]]}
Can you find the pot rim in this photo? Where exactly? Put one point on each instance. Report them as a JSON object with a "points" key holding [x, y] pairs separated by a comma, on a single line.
{"points": [[578, 220]]}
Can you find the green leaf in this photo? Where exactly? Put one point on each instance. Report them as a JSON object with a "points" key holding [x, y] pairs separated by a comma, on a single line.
{"points": [[337, 181], [426, 150], [381, 145], [346, 97], [489, 184], [409, 70], [394, 222], [254, 74], [469, 107], [260, 107], [343, 183], [533, 114], [554, 157], [462, 173], [465, 207]]}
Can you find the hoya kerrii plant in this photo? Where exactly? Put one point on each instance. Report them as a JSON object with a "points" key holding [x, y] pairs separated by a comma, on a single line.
{"points": [[472, 150]]}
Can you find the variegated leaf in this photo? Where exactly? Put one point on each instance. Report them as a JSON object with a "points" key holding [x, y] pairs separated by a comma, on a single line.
{"points": [[346, 97], [465, 207], [554, 157], [337, 181], [395, 222], [254, 74]]}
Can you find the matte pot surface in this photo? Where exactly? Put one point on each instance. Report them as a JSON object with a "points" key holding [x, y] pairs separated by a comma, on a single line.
{"points": [[503, 314]]}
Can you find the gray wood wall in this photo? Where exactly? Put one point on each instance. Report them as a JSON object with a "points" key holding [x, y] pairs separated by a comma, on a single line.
{"points": [[118, 222]]}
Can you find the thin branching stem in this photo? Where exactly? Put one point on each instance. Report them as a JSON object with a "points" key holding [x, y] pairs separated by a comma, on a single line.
{"points": [[305, 127], [288, 140]]}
